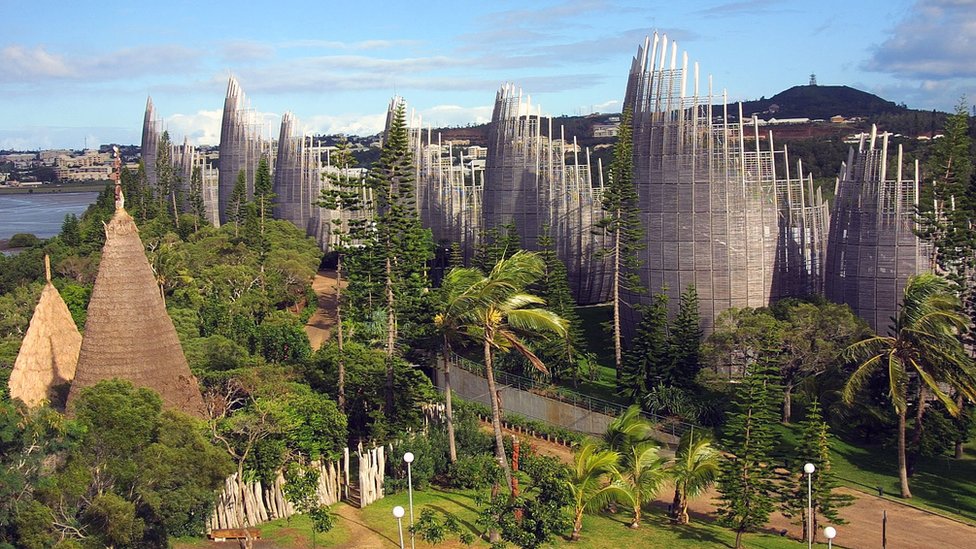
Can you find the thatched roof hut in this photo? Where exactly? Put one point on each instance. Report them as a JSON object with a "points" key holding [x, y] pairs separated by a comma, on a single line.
{"points": [[128, 334], [49, 353]]}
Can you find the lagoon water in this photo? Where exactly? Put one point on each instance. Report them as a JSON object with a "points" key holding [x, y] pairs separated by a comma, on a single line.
{"points": [[40, 214]]}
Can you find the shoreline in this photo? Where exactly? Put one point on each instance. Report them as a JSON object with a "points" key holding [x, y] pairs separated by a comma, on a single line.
{"points": [[65, 188]]}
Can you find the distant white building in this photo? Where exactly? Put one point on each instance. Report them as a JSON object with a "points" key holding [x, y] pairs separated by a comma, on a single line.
{"points": [[606, 130]]}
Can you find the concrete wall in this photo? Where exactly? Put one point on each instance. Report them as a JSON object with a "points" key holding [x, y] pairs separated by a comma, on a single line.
{"points": [[474, 388]]}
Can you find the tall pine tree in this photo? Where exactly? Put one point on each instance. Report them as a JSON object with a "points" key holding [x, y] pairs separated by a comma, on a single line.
{"points": [[264, 190], [238, 198], [648, 362], [747, 480], [948, 211], [686, 337], [167, 181], [344, 194], [197, 205], [814, 447], [621, 224], [553, 286], [403, 245]]}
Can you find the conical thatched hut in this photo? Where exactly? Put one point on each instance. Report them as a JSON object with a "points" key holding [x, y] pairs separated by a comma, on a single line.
{"points": [[49, 352], [128, 334]]}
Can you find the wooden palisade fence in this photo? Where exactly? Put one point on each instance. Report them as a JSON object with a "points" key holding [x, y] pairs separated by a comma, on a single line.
{"points": [[250, 503]]}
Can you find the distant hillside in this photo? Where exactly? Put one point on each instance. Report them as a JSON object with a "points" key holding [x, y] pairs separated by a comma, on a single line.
{"points": [[820, 102]]}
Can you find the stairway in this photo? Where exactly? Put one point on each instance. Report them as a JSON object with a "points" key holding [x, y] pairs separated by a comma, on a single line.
{"points": [[354, 498]]}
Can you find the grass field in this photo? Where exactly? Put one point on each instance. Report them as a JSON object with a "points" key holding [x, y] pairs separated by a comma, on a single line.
{"points": [[944, 484], [599, 532], [295, 532]]}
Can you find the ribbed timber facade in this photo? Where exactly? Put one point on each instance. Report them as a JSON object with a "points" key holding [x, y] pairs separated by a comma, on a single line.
{"points": [[151, 132], [530, 178], [302, 172], [295, 192], [873, 248], [241, 146], [716, 211]]}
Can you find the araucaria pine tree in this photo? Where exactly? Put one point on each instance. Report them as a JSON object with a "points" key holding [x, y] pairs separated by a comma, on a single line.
{"points": [[553, 286], [403, 244], [948, 208], [167, 181], [197, 206], [746, 482], [345, 195], [686, 337], [814, 447], [649, 361], [622, 227], [263, 195], [238, 198]]}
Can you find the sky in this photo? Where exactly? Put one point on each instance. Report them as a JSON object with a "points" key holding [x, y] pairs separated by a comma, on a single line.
{"points": [[79, 73]]}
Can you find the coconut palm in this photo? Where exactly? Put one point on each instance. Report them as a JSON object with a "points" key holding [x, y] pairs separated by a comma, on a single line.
{"points": [[456, 301], [497, 312], [640, 475], [590, 485], [924, 345], [627, 429], [693, 470]]}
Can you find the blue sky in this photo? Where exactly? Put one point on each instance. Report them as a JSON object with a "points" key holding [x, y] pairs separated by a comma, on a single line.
{"points": [[71, 71]]}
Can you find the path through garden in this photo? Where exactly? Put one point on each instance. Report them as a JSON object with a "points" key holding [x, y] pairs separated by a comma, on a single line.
{"points": [[907, 526], [320, 324]]}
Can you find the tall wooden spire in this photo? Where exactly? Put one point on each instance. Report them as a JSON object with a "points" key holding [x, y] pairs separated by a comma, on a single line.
{"points": [[129, 334]]}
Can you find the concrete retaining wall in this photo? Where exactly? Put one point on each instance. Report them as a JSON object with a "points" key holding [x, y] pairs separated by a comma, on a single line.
{"points": [[474, 388]]}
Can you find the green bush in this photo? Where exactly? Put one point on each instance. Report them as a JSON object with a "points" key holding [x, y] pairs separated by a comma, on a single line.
{"points": [[475, 471], [422, 468], [23, 240]]}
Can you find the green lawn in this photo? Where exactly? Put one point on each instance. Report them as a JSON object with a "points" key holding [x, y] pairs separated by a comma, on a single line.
{"points": [[599, 532], [597, 341], [295, 532], [944, 485]]}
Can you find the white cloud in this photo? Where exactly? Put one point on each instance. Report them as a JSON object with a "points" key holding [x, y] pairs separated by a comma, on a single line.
{"points": [[349, 124], [357, 45], [23, 65], [201, 127], [934, 41], [19, 63], [443, 116]]}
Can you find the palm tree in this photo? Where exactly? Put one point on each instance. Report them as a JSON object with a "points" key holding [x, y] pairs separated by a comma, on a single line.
{"points": [[693, 470], [640, 476], [627, 429], [924, 344], [589, 483], [456, 301], [497, 312]]}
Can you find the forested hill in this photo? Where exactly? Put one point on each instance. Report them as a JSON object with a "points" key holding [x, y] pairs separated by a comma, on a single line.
{"points": [[821, 102]]}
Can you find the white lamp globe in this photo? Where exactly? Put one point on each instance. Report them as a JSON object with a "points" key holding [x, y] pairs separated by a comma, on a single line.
{"points": [[830, 532], [398, 511], [809, 468], [408, 457]]}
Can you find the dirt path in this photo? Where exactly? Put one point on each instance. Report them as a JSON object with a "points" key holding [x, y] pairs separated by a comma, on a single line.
{"points": [[908, 527], [320, 324], [361, 536]]}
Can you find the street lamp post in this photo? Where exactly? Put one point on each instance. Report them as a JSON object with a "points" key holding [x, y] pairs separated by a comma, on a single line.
{"points": [[398, 513], [408, 457], [830, 533], [809, 468]]}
